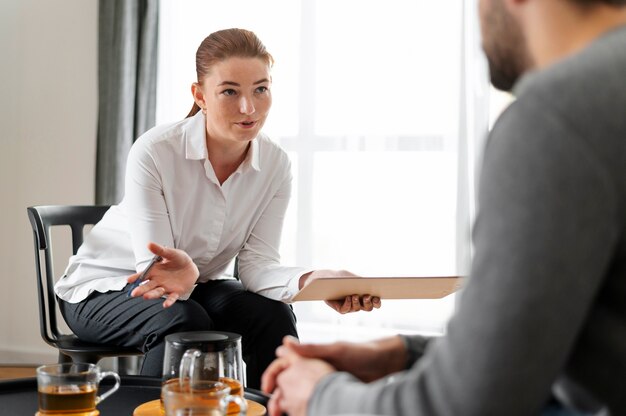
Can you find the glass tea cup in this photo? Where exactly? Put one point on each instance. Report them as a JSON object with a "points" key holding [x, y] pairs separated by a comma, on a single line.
{"points": [[200, 398], [71, 388]]}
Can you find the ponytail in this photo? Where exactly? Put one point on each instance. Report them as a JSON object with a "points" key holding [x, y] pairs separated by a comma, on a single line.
{"points": [[194, 110]]}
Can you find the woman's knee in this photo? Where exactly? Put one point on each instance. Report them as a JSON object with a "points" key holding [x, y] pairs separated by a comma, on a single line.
{"points": [[278, 316], [188, 316]]}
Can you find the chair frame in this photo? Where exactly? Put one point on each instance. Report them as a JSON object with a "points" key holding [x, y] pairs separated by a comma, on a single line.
{"points": [[42, 218]]}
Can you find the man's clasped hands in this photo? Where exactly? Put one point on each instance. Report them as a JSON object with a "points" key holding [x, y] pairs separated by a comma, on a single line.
{"points": [[294, 374]]}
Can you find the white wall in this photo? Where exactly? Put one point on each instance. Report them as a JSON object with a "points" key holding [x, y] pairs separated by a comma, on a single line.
{"points": [[48, 120]]}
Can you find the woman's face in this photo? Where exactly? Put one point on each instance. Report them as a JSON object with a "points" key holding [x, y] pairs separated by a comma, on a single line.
{"points": [[237, 98]]}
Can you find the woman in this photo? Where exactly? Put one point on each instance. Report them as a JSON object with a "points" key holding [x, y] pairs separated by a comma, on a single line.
{"points": [[199, 193]]}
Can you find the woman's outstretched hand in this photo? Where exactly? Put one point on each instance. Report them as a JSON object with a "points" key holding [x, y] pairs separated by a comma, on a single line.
{"points": [[355, 303], [173, 277], [352, 303]]}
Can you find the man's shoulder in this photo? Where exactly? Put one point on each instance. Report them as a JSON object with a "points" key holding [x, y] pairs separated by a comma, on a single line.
{"points": [[580, 99], [583, 76], [565, 116]]}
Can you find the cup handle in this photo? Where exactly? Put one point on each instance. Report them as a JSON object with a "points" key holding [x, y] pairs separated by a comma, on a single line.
{"points": [[112, 389], [240, 401]]}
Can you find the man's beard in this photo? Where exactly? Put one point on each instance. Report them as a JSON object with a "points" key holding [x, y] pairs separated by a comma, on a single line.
{"points": [[504, 72], [505, 47]]}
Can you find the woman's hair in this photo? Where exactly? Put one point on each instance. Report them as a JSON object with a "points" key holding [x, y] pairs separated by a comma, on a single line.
{"points": [[224, 44]]}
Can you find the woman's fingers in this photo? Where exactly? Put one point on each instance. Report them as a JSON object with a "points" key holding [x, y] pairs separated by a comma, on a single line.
{"points": [[133, 277], [154, 293], [347, 304], [355, 303], [158, 249], [367, 303], [151, 290], [171, 299]]}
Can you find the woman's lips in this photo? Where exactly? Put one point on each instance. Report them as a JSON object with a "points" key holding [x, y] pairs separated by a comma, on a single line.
{"points": [[246, 124]]}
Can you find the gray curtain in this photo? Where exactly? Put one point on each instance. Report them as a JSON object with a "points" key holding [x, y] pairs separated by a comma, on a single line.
{"points": [[127, 62]]}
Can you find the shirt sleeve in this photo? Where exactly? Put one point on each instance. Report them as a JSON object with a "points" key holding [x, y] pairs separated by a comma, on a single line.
{"points": [[145, 205], [260, 270], [543, 240]]}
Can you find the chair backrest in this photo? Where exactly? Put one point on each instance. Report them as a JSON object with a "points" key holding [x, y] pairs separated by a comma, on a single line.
{"points": [[42, 218]]}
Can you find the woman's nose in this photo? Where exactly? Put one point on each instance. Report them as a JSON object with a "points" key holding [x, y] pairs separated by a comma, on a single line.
{"points": [[246, 106]]}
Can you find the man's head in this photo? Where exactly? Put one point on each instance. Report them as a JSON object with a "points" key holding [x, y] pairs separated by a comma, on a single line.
{"points": [[505, 40]]}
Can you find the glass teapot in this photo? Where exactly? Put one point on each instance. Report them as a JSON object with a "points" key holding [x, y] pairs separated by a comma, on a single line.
{"points": [[205, 355]]}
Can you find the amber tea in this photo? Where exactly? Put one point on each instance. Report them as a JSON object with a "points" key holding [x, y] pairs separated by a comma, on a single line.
{"points": [[71, 388], [235, 386], [208, 397], [77, 400], [236, 389]]}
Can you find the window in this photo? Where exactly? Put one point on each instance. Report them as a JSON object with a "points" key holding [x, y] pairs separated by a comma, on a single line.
{"points": [[368, 100]]}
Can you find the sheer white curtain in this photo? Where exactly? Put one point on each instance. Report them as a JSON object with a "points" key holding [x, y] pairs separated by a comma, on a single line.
{"points": [[376, 104]]}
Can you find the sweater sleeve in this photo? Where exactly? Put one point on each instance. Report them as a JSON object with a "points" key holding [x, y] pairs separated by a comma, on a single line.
{"points": [[415, 346], [544, 233]]}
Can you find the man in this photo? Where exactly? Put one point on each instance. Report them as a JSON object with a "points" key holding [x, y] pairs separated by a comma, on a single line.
{"points": [[541, 324]]}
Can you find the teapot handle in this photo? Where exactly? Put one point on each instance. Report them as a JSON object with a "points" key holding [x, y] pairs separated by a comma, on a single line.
{"points": [[188, 365]]}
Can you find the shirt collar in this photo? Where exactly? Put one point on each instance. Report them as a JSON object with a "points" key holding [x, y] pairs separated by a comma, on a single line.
{"points": [[253, 155], [195, 143], [194, 134]]}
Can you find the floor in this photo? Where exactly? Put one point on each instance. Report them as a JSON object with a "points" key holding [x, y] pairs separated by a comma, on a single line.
{"points": [[10, 372], [126, 366]]}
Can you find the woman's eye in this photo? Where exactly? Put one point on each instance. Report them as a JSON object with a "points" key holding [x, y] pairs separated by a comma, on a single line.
{"points": [[261, 89], [229, 92]]}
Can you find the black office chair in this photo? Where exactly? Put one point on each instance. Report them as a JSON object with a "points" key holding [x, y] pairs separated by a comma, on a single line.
{"points": [[42, 218]]}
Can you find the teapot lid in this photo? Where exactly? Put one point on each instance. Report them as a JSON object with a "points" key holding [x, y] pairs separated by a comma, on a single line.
{"points": [[204, 340]]}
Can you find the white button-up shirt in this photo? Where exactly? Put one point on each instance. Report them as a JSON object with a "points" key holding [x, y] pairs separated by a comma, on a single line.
{"points": [[173, 197]]}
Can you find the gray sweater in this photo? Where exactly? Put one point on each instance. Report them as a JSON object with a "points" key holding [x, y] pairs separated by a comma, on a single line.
{"points": [[544, 309]]}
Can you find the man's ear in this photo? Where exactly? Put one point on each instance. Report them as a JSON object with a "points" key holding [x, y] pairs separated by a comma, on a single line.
{"points": [[198, 95]]}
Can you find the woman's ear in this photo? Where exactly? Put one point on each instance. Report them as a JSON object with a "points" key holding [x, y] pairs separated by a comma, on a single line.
{"points": [[198, 95]]}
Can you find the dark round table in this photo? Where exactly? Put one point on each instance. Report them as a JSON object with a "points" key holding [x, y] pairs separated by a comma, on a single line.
{"points": [[19, 397]]}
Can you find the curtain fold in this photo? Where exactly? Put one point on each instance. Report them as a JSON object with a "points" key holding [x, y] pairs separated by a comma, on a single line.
{"points": [[127, 62], [473, 128]]}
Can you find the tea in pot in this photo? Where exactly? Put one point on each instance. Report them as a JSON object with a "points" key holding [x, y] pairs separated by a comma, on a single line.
{"points": [[205, 355]]}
